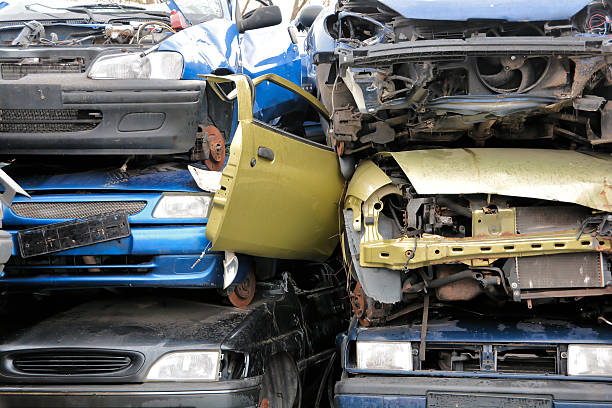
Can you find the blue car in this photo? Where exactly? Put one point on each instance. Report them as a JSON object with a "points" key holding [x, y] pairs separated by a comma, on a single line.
{"points": [[477, 361], [122, 79], [165, 212]]}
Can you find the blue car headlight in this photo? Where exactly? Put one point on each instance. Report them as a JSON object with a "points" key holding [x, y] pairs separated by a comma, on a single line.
{"points": [[183, 206], [155, 65], [384, 356], [589, 359]]}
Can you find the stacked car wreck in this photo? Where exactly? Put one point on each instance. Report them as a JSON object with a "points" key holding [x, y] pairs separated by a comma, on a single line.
{"points": [[116, 121], [476, 139]]}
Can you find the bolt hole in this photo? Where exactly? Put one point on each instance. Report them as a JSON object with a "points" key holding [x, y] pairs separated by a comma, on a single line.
{"points": [[485, 249], [536, 246], [601, 243], [384, 254], [559, 245], [377, 206], [509, 247], [585, 242], [479, 221], [437, 251], [457, 249]]}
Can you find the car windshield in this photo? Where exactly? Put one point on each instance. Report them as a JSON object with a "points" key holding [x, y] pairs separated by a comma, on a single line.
{"points": [[196, 10]]}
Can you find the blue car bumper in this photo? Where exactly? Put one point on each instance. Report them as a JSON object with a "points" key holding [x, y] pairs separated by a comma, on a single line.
{"points": [[421, 392], [152, 256]]}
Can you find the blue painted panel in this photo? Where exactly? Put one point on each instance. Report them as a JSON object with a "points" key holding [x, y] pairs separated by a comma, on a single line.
{"points": [[484, 331], [168, 271], [510, 10], [379, 401], [179, 180], [270, 50]]}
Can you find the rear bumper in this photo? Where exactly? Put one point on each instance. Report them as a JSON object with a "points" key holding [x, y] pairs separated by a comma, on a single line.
{"points": [[114, 116], [224, 394], [378, 391]]}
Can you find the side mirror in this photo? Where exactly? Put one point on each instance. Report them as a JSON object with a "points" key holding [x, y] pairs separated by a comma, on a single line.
{"points": [[307, 16], [260, 18]]}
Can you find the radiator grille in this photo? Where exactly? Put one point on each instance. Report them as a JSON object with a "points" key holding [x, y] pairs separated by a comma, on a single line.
{"points": [[71, 363], [560, 271], [17, 71], [48, 120], [60, 210]]}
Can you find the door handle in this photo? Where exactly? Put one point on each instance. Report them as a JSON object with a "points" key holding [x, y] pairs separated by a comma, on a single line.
{"points": [[265, 153]]}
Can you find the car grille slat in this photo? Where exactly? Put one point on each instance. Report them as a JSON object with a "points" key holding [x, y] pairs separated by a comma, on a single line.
{"points": [[70, 363], [48, 120], [17, 71], [71, 210]]}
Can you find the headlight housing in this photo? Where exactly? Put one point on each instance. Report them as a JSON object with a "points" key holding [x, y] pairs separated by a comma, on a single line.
{"points": [[387, 356], [186, 366], [156, 65], [183, 206], [589, 359]]}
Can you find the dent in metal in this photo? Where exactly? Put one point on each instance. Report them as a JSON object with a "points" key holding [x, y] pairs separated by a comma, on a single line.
{"points": [[554, 175], [381, 284], [367, 179]]}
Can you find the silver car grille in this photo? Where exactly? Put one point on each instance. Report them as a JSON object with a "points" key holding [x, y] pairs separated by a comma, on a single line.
{"points": [[69, 210]]}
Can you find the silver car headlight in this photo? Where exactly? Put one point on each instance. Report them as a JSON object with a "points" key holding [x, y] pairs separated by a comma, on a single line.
{"points": [[181, 206], [388, 356], [156, 65], [186, 366], [589, 359]]}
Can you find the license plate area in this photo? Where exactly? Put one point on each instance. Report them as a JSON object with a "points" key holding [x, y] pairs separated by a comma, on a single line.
{"points": [[477, 400], [72, 234]]}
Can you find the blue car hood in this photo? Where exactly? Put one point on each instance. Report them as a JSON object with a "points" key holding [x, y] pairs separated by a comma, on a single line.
{"points": [[510, 10], [488, 331], [112, 180]]}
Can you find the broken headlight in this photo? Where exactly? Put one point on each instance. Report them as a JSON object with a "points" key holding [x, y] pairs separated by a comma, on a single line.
{"points": [[589, 359], [156, 65], [186, 366], [180, 206], [387, 356]]}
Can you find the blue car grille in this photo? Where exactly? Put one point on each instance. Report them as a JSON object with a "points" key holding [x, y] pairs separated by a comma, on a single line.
{"points": [[79, 265], [70, 210]]}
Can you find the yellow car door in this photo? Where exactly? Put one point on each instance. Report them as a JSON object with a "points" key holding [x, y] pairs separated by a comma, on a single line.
{"points": [[280, 193]]}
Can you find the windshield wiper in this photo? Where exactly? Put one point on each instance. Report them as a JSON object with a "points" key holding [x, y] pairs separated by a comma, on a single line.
{"points": [[105, 6], [90, 9]]}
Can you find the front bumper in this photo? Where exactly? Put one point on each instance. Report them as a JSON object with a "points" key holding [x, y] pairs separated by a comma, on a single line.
{"points": [[226, 394], [413, 392], [72, 114], [157, 256]]}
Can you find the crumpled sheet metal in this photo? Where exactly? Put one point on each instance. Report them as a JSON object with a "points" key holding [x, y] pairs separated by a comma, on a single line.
{"points": [[555, 175]]}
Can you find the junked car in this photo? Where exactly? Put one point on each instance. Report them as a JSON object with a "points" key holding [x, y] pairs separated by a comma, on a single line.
{"points": [[122, 79], [161, 350], [402, 74], [471, 359], [515, 225], [144, 222]]}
